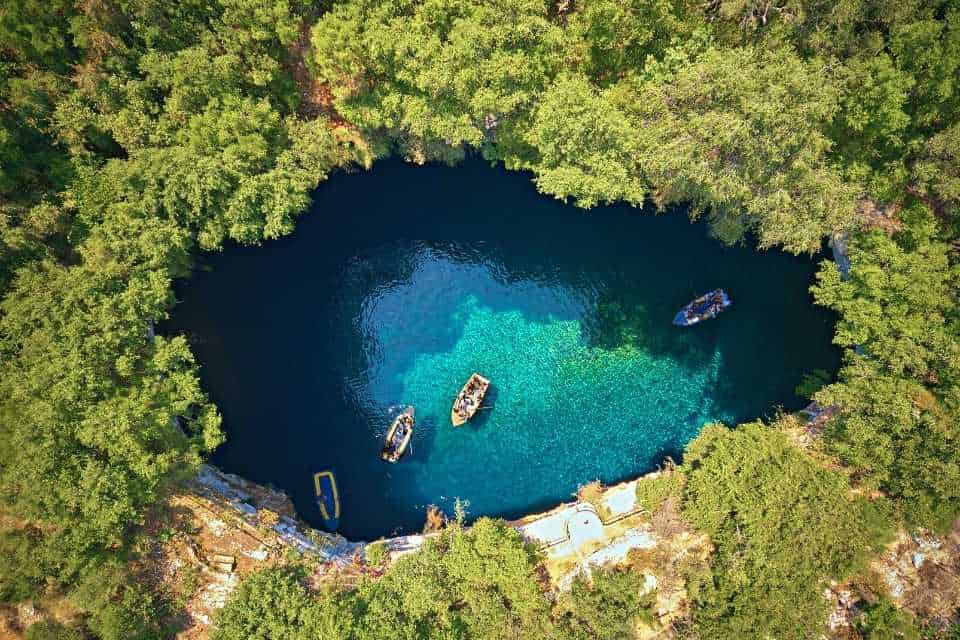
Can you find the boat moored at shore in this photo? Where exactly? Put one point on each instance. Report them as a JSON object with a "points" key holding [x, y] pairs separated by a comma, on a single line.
{"points": [[328, 499]]}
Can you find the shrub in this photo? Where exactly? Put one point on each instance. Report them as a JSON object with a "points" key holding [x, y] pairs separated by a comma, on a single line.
{"points": [[376, 553], [883, 621], [273, 604], [52, 630], [605, 607], [653, 492], [782, 525], [21, 575]]}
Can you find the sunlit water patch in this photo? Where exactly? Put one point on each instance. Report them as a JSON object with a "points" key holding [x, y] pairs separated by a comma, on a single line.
{"points": [[403, 281], [560, 412]]}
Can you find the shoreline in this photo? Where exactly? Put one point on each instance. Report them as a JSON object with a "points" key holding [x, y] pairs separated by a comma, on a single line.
{"points": [[242, 494]]}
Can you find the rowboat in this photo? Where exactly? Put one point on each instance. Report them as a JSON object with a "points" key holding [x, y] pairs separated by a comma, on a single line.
{"points": [[398, 436], [707, 306], [469, 399], [328, 499]]}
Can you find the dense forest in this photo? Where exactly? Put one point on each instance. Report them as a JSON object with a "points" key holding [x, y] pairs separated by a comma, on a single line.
{"points": [[136, 133]]}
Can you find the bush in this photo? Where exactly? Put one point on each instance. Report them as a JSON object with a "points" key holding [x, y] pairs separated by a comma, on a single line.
{"points": [[883, 621], [899, 390], [653, 492], [51, 630], [813, 382], [480, 583], [606, 607], [21, 574], [120, 607], [376, 553], [782, 525], [273, 604]]}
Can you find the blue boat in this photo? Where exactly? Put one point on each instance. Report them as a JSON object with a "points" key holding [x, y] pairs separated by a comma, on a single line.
{"points": [[328, 499], [707, 306]]}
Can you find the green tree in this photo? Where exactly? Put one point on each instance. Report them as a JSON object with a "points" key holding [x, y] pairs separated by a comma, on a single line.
{"points": [[938, 170], [882, 621], [21, 576], [872, 126], [120, 607], [740, 134], [38, 31], [898, 390], [607, 606], [274, 605], [782, 524], [476, 583], [97, 416], [585, 147], [49, 630], [929, 50], [610, 39], [437, 74], [839, 29]]}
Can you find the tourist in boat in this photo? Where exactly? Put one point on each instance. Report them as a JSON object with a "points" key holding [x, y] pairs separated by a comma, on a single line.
{"points": [[707, 306], [468, 401]]}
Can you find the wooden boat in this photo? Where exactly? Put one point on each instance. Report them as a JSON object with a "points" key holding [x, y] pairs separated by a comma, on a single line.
{"points": [[469, 399], [707, 306], [398, 436], [328, 499]]}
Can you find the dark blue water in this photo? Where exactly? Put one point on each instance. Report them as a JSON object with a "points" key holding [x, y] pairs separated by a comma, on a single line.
{"points": [[403, 280]]}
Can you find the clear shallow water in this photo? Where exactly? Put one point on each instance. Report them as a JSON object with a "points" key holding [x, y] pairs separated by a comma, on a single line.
{"points": [[402, 281]]}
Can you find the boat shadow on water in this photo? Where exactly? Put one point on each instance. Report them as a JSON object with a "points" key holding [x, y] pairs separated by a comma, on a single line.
{"points": [[615, 325], [422, 443]]}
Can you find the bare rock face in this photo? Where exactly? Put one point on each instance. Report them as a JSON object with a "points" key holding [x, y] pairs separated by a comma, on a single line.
{"points": [[922, 572], [233, 488], [846, 606], [218, 529], [838, 245]]}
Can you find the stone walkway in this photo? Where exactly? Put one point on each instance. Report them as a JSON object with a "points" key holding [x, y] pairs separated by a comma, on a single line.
{"points": [[573, 532], [578, 533]]}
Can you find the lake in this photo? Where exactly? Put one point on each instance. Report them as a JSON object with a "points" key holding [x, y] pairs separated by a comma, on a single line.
{"points": [[401, 281]]}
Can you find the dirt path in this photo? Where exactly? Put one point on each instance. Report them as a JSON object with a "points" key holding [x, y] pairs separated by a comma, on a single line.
{"points": [[317, 100]]}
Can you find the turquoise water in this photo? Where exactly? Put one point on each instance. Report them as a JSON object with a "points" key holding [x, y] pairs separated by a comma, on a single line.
{"points": [[402, 281]]}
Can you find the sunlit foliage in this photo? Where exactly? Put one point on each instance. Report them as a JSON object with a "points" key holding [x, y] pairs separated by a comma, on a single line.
{"points": [[899, 390], [783, 526], [479, 583], [134, 133]]}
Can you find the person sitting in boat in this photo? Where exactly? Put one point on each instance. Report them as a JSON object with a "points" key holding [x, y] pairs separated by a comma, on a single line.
{"points": [[716, 303]]}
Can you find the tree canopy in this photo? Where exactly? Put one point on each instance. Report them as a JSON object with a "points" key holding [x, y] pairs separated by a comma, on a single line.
{"points": [[783, 525], [135, 133], [479, 583], [899, 388]]}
